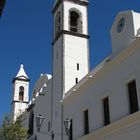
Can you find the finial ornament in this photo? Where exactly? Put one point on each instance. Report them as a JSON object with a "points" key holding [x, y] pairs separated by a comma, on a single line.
{"points": [[21, 66]]}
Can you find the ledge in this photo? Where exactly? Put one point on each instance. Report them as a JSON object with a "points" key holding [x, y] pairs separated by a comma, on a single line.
{"points": [[119, 126], [58, 3], [69, 33], [20, 79], [19, 102]]}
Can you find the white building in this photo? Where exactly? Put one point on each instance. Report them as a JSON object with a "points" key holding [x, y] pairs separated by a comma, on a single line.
{"points": [[102, 104]]}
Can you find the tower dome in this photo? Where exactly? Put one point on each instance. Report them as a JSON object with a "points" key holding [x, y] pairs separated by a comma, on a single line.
{"points": [[21, 74]]}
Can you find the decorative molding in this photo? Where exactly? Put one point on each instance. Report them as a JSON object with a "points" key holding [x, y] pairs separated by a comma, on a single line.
{"points": [[56, 6], [118, 127], [16, 101], [69, 33], [85, 3], [80, 2], [20, 79]]}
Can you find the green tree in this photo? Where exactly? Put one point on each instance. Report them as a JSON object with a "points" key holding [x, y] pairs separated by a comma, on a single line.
{"points": [[12, 131]]}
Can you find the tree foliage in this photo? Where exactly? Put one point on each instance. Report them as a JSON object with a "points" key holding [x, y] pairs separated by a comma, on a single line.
{"points": [[12, 131]]}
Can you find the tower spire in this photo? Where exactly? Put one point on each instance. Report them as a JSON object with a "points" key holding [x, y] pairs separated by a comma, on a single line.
{"points": [[22, 73]]}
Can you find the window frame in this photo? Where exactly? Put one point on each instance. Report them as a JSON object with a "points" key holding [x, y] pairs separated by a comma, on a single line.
{"points": [[86, 121], [133, 97], [106, 110], [79, 23], [71, 130], [31, 124], [78, 66], [76, 80], [21, 93]]}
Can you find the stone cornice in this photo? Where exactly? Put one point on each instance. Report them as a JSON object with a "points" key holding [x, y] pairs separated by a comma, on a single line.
{"points": [[20, 79], [118, 127], [58, 3], [62, 32], [16, 101]]}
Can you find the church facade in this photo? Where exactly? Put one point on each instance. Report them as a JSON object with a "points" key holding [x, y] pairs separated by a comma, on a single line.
{"points": [[102, 104]]}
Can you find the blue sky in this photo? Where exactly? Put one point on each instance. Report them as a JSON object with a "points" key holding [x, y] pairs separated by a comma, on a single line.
{"points": [[26, 29]]}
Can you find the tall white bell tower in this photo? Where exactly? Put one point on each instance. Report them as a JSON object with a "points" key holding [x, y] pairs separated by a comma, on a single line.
{"points": [[20, 93], [71, 40], [70, 52]]}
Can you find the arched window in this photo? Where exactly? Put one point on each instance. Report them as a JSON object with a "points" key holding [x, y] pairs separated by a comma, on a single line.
{"points": [[75, 20], [31, 123], [21, 93], [57, 23]]}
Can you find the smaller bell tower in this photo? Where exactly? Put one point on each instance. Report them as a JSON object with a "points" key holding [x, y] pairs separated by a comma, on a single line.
{"points": [[20, 93]]}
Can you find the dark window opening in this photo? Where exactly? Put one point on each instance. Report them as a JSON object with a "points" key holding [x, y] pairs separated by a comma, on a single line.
{"points": [[31, 123], [74, 21], [35, 137], [71, 130], [57, 23], [86, 122], [49, 126], [133, 97], [76, 80], [106, 111], [21, 93], [77, 66]]}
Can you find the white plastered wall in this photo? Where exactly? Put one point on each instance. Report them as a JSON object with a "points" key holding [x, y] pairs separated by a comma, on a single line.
{"points": [[75, 52], [109, 81]]}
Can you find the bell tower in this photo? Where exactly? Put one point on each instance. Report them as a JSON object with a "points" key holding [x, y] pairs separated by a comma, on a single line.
{"points": [[70, 52], [71, 40], [20, 93]]}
